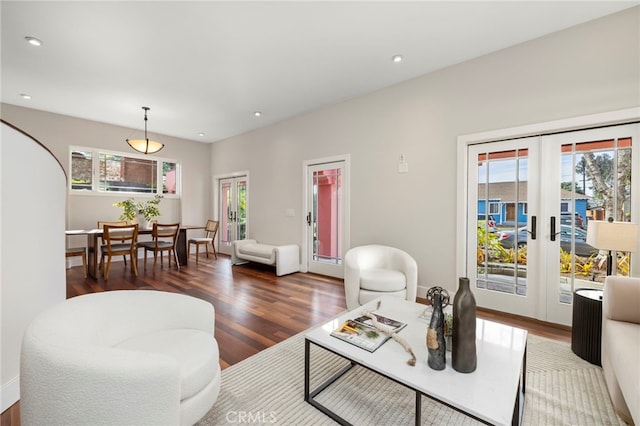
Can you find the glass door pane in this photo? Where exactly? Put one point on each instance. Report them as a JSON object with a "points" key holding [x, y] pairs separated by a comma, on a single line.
{"points": [[502, 221], [240, 215], [327, 210], [226, 215]]}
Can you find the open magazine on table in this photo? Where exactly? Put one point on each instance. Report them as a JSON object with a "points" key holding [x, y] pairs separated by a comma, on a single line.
{"points": [[361, 332]]}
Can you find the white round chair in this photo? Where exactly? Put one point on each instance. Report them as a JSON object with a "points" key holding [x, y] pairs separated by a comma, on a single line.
{"points": [[371, 271], [124, 357]]}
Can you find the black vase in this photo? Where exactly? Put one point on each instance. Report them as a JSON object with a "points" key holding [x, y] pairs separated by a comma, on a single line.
{"points": [[435, 336], [463, 353]]}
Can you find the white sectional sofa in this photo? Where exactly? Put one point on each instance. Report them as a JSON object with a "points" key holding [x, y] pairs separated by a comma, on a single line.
{"points": [[286, 258], [621, 345]]}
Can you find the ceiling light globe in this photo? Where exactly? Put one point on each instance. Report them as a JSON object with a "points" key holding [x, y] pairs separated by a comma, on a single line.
{"points": [[33, 41]]}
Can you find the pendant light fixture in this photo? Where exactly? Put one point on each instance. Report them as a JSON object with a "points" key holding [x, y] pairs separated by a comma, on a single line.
{"points": [[145, 146]]}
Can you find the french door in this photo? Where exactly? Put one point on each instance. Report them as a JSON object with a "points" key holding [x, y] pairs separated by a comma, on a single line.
{"points": [[529, 202], [326, 211], [592, 180], [233, 211], [502, 223]]}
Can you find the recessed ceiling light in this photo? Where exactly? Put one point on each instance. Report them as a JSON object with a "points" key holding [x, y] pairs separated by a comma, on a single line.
{"points": [[257, 114], [397, 58], [33, 41], [201, 134], [25, 96]]}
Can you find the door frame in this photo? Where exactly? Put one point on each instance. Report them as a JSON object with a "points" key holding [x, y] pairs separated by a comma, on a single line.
{"points": [[538, 129], [215, 202], [346, 207]]}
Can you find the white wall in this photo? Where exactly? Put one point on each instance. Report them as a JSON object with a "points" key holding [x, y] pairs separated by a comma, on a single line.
{"points": [[590, 68], [58, 132], [32, 245]]}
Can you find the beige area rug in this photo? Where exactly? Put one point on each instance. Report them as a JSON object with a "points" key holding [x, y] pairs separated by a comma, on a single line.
{"points": [[268, 388]]}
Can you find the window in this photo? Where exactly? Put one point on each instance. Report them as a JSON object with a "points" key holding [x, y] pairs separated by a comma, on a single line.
{"points": [[96, 171]]}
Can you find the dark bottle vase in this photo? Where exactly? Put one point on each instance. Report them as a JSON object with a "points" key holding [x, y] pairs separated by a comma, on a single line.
{"points": [[435, 336], [463, 353]]}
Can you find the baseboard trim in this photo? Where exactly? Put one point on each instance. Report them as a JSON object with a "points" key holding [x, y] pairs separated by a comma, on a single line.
{"points": [[10, 393]]}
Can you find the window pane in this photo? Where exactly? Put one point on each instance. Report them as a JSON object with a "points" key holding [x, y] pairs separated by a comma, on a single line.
{"points": [[169, 174], [119, 173], [81, 170]]}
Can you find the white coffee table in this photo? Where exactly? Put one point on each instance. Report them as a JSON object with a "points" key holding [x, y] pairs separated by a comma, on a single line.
{"points": [[492, 394]]}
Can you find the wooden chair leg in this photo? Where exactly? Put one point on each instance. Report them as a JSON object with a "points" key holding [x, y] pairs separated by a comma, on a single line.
{"points": [[134, 264], [206, 247], [215, 253], [105, 270], [84, 264], [175, 257], [197, 253]]}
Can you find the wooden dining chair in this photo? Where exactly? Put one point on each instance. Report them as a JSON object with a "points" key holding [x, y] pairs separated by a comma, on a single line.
{"points": [[164, 238], [78, 252], [103, 246], [120, 240], [210, 235]]}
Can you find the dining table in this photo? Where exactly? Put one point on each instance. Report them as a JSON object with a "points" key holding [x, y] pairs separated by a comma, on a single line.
{"points": [[93, 247]]}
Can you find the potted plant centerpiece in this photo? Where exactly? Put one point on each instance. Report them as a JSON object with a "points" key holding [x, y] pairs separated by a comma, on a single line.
{"points": [[140, 212]]}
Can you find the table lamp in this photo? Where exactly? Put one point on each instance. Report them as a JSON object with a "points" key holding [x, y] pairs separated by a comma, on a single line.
{"points": [[610, 235]]}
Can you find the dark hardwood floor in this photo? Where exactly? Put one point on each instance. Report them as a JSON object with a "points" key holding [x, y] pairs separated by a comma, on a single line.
{"points": [[254, 308]]}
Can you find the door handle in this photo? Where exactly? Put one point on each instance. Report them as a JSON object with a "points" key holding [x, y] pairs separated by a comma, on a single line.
{"points": [[553, 228], [309, 219], [235, 216], [534, 227]]}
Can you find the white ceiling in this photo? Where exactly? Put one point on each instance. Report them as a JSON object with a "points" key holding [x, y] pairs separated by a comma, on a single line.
{"points": [[206, 66]]}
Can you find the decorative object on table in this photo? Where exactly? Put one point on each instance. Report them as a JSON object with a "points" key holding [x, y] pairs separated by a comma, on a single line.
{"points": [[140, 212], [145, 146], [463, 353], [390, 327], [448, 330], [436, 345]]}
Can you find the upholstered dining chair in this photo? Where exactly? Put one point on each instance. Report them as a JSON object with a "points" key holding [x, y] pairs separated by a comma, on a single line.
{"points": [[120, 240], [101, 224], [78, 252], [374, 270], [164, 238], [211, 229]]}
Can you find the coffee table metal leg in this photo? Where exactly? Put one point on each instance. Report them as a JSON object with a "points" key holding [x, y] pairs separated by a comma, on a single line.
{"points": [[418, 408], [518, 408], [310, 395]]}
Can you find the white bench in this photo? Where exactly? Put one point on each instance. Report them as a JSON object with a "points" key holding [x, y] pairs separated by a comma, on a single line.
{"points": [[286, 258]]}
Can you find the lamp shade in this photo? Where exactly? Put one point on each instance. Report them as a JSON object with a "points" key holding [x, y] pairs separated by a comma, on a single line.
{"points": [[145, 146], [619, 236]]}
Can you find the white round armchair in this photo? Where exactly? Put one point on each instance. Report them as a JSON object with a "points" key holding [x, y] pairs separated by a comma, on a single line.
{"points": [[372, 271], [120, 357]]}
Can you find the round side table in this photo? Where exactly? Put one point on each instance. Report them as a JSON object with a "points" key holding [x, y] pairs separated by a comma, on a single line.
{"points": [[586, 330]]}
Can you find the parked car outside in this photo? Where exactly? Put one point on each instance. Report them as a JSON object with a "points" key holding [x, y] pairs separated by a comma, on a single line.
{"points": [[507, 239], [489, 220], [565, 219]]}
